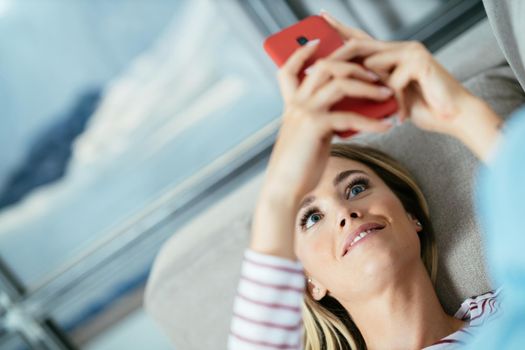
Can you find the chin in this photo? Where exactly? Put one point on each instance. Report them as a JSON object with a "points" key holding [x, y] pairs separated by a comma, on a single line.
{"points": [[380, 268]]}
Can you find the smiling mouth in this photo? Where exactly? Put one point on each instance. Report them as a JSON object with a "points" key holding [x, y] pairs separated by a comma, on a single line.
{"points": [[362, 235]]}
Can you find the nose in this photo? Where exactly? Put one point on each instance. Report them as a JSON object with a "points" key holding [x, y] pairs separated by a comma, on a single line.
{"points": [[354, 215]]}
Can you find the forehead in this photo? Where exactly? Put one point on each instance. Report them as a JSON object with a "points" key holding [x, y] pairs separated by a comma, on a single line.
{"points": [[335, 165]]}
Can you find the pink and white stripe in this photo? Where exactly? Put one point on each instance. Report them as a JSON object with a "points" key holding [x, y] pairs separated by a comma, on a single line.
{"points": [[267, 308], [476, 310]]}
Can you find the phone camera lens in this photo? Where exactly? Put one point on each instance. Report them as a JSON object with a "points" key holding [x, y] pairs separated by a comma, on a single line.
{"points": [[302, 40]]}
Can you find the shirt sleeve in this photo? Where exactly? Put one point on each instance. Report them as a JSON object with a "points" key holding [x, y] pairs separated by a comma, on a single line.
{"points": [[500, 204], [267, 307]]}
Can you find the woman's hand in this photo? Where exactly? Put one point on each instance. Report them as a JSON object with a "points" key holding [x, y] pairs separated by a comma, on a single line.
{"points": [[308, 125], [426, 92], [303, 144], [432, 98]]}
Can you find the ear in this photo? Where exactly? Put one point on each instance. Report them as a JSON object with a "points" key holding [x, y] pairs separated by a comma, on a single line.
{"points": [[415, 222], [316, 289]]}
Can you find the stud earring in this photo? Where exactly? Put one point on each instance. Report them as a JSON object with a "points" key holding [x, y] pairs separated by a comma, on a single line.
{"points": [[419, 224], [317, 290]]}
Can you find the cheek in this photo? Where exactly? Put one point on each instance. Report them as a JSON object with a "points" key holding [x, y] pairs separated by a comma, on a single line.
{"points": [[312, 249], [393, 207], [389, 206], [405, 232]]}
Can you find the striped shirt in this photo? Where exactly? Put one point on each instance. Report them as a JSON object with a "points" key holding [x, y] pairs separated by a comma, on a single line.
{"points": [[267, 307]]}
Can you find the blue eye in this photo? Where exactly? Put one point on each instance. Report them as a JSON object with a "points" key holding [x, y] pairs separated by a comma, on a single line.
{"points": [[357, 186], [357, 189], [312, 220]]}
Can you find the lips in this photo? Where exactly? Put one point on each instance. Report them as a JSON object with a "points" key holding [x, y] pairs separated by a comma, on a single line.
{"points": [[363, 228]]}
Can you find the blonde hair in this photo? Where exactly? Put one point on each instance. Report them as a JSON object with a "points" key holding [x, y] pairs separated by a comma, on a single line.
{"points": [[327, 324]]}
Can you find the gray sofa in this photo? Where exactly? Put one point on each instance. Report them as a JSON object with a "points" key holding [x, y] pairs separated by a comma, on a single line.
{"points": [[190, 294]]}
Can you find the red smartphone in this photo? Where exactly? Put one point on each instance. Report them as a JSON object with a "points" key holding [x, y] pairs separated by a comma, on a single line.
{"points": [[280, 46]]}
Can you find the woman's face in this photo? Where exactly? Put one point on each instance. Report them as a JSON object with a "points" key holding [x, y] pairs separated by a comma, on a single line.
{"points": [[349, 196]]}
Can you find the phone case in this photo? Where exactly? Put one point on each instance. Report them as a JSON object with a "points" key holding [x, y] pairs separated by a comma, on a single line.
{"points": [[281, 46]]}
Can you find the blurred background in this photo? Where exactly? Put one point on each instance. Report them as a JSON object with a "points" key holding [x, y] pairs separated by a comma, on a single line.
{"points": [[124, 119]]}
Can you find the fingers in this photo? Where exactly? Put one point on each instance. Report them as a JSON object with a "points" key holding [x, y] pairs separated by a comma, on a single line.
{"points": [[296, 61], [346, 32], [392, 55], [342, 69], [356, 48], [383, 60], [336, 65], [325, 69], [338, 88], [344, 121], [400, 65], [399, 81], [288, 74]]}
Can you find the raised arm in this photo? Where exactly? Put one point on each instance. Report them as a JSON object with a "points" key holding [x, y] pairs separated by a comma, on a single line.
{"points": [[302, 147], [267, 311]]}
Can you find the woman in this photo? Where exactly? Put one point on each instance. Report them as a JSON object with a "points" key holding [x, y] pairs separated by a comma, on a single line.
{"points": [[359, 223]]}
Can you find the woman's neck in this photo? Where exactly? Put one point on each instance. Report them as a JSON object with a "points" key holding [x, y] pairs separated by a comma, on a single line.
{"points": [[404, 315]]}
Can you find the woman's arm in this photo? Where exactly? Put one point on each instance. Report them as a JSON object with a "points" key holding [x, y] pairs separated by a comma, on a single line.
{"points": [[303, 144], [479, 129], [267, 307]]}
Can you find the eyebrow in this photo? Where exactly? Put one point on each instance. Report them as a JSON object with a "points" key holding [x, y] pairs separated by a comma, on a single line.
{"points": [[337, 180], [344, 174]]}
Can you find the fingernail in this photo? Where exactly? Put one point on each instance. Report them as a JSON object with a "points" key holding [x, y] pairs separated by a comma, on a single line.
{"points": [[372, 75], [309, 70], [385, 91], [313, 42], [323, 12]]}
